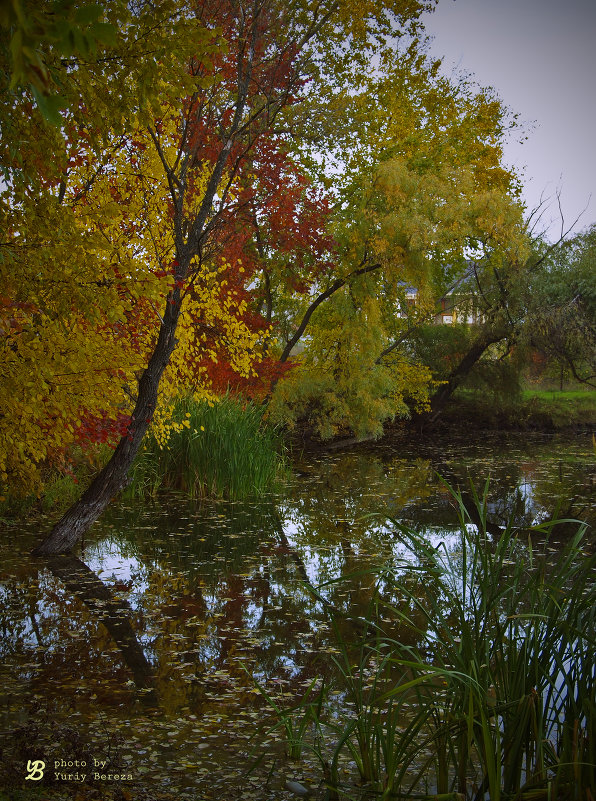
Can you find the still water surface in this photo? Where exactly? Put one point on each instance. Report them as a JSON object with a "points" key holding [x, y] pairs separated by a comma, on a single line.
{"points": [[143, 650]]}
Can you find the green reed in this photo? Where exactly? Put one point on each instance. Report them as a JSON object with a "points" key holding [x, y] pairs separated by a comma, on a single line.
{"points": [[386, 712], [297, 719], [495, 699], [513, 634], [227, 450]]}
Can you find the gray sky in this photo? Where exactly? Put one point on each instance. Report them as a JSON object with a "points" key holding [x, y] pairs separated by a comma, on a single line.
{"points": [[540, 56]]}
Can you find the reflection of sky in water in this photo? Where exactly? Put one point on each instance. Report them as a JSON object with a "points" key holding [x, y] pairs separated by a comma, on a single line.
{"points": [[402, 555], [213, 587], [108, 562]]}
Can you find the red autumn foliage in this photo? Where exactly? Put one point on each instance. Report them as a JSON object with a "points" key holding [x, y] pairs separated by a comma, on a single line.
{"points": [[270, 218]]}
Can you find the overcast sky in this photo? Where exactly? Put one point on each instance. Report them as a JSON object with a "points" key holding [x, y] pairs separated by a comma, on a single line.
{"points": [[540, 56]]}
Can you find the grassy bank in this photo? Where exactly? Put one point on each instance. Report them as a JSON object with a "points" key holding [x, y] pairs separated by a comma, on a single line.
{"points": [[533, 409], [563, 408]]}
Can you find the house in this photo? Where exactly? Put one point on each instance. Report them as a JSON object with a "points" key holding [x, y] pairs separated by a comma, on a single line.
{"points": [[458, 307], [454, 307]]}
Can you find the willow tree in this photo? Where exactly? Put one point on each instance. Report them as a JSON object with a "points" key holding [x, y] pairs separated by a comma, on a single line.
{"points": [[413, 164], [561, 308]]}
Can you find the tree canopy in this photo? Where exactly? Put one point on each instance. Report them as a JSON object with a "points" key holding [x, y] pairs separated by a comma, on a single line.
{"points": [[197, 194]]}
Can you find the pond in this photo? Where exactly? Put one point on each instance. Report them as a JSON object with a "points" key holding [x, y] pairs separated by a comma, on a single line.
{"points": [[145, 657]]}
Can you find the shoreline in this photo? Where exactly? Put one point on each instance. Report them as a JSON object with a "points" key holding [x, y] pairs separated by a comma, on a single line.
{"points": [[464, 417]]}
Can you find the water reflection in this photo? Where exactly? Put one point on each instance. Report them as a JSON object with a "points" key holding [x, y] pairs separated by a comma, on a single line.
{"points": [[101, 600], [191, 602]]}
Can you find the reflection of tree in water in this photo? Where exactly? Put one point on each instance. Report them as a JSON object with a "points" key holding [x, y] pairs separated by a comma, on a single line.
{"points": [[53, 642], [214, 588], [235, 589], [53, 638], [59, 661], [114, 613], [333, 516], [189, 534], [354, 485], [539, 480], [18, 617], [222, 589]]}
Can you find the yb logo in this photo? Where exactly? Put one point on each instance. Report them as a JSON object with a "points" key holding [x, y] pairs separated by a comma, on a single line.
{"points": [[35, 770]]}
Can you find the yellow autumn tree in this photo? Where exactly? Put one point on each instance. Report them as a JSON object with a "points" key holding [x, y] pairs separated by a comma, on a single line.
{"points": [[415, 164], [88, 243], [206, 83]]}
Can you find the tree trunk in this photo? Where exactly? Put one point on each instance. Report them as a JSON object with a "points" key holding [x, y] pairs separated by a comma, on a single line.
{"points": [[113, 477], [460, 372]]}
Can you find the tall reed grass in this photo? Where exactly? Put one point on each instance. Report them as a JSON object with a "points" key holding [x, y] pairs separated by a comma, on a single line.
{"points": [[224, 450], [513, 632], [497, 697]]}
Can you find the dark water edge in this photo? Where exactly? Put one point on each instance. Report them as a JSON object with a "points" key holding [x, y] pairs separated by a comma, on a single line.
{"points": [[141, 651], [456, 423], [547, 414]]}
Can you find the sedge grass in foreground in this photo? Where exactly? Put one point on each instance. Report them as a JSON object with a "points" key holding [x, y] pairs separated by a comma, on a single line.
{"points": [[495, 700], [224, 449]]}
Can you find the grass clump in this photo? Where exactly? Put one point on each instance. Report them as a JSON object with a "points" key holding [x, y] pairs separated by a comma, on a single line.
{"points": [[513, 632], [222, 450]]}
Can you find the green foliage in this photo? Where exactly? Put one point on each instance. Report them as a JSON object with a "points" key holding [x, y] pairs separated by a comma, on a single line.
{"points": [[335, 402], [514, 637], [218, 449], [69, 29], [510, 637], [561, 320], [497, 375], [499, 378], [340, 384], [413, 163], [441, 347], [296, 720], [68, 53]]}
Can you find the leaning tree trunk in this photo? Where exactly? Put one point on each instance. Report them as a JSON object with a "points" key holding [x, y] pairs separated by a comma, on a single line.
{"points": [[113, 477], [459, 374]]}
